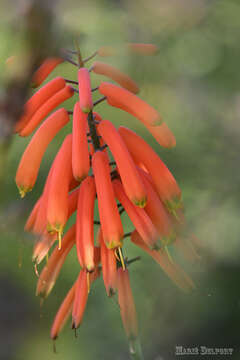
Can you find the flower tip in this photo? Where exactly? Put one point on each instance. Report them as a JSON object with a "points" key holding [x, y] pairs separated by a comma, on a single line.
{"points": [[173, 205], [141, 203], [86, 110], [113, 244], [23, 190]]}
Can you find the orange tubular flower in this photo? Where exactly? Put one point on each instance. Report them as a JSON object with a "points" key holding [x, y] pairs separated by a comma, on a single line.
{"points": [[44, 70], [108, 212], [163, 135], [142, 49], [138, 216], [40, 224], [174, 272], [105, 51], [80, 299], [33, 216], [109, 267], [113, 73], [72, 202], [38, 99], [30, 162], [51, 271], [85, 94], [126, 303], [163, 180], [80, 154], [55, 100], [156, 210], [186, 248], [84, 224], [131, 180], [127, 101], [42, 247], [57, 207], [63, 313]]}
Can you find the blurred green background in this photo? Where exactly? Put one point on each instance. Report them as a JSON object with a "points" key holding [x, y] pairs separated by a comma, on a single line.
{"points": [[194, 82]]}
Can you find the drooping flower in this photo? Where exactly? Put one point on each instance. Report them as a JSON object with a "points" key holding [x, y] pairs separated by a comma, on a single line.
{"points": [[127, 101], [112, 230], [84, 224], [38, 99], [30, 162], [45, 69], [82, 174], [164, 182], [80, 153], [130, 178], [113, 73], [55, 100]]}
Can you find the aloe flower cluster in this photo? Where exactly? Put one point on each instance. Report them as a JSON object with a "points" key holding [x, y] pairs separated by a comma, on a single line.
{"points": [[98, 162]]}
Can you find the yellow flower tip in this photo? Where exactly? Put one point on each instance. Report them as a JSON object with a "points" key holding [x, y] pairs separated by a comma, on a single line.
{"points": [[173, 205], [80, 179], [114, 244], [141, 203], [86, 110], [23, 190]]}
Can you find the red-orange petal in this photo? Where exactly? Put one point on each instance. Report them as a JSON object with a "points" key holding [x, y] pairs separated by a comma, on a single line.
{"points": [[129, 102], [163, 135], [44, 70], [85, 93], [80, 154], [127, 305], [80, 299], [173, 271], [138, 216], [38, 99], [57, 206], [63, 313], [85, 224], [115, 74], [55, 100], [108, 212], [131, 180], [52, 269], [29, 165], [109, 267], [142, 49], [163, 180]]}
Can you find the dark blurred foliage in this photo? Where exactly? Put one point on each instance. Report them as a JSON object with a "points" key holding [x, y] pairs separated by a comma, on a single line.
{"points": [[194, 82]]}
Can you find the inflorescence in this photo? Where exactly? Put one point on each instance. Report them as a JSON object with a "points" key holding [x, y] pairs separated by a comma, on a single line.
{"points": [[136, 181]]}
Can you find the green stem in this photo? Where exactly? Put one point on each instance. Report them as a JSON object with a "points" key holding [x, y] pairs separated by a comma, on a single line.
{"points": [[135, 349], [80, 60], [93, 132]]}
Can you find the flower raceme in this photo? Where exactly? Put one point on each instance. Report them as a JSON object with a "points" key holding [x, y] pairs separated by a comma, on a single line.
{"points": [[99, 164]]}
